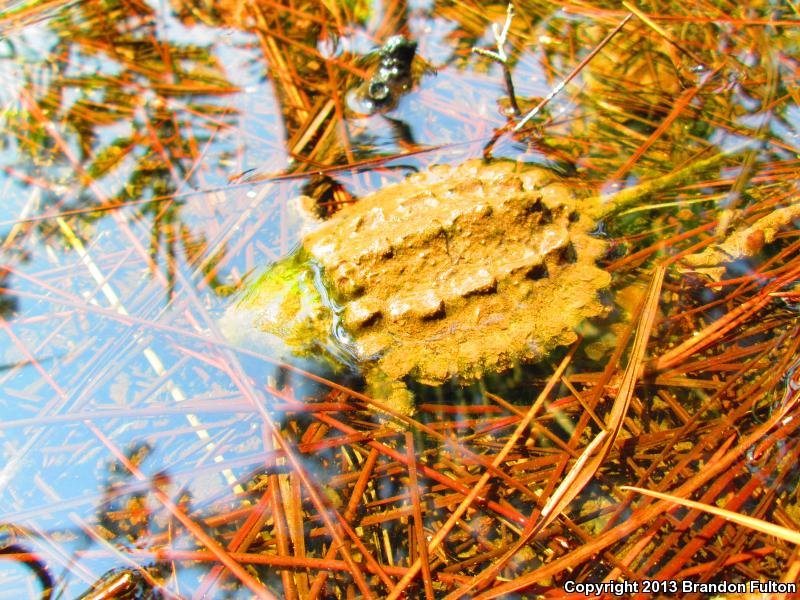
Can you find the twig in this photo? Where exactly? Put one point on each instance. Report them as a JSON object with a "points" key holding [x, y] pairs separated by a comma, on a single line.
{"points": [[572, 75], [502, 58]]}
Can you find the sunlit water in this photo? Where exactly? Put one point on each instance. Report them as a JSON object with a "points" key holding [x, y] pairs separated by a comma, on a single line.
{"points": [[116, 381]]}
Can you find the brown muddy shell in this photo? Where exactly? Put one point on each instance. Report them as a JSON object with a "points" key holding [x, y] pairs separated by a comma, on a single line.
{"points": [[458, 272]]}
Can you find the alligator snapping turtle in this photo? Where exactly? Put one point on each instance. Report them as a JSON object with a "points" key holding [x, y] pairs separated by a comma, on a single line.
{"points": [[452, 273]]}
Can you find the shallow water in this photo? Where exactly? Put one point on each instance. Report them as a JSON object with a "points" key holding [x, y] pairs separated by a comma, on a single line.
{"points": [[151, 153]]}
